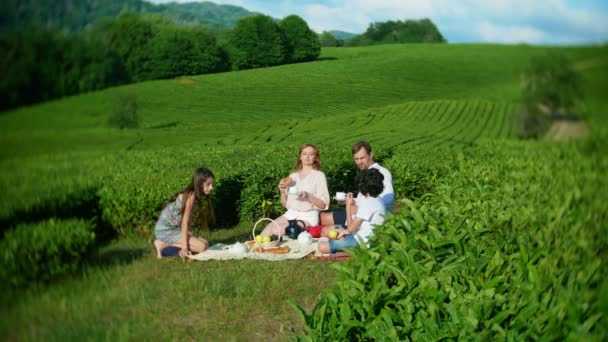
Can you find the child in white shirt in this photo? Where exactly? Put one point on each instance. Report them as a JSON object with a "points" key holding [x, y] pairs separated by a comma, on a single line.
{"points": [[362, 216]]}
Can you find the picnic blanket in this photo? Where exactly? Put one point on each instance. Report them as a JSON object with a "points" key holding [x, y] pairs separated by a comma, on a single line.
{"points": [[296, 251]]}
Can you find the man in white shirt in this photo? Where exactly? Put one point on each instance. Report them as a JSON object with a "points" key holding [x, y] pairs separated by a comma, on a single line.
{"points": [[364, 158]]}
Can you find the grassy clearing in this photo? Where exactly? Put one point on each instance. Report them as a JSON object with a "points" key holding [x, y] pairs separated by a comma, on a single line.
{"points": [[126, 293]]}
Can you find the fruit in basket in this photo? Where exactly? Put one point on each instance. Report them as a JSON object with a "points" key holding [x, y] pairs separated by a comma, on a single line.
{"points": [[259, 238], [266, 239], [333, 234]]}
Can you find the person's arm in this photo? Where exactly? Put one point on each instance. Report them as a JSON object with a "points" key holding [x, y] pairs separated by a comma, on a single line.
{"points": [[186, 225], [388, 193], [283, 192], [307, 196], [352, 224]]}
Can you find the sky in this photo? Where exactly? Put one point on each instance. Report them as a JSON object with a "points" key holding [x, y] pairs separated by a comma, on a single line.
{"points": [[548, 22]]}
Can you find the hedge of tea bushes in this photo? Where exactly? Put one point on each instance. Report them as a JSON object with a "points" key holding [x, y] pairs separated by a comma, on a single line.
{"points": [[45, 250], [40, 187], [135, 190], [510, 245]]}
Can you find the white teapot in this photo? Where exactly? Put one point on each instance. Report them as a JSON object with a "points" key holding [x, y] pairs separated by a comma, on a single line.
{"points": [[238, 248], [305, 239]]}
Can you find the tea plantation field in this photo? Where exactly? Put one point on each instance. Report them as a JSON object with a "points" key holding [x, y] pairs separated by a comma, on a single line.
{"points": [[231, 107], [493, 237]]}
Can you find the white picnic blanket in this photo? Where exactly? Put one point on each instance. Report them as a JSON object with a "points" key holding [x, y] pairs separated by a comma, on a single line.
{"points": [[221, 252]]}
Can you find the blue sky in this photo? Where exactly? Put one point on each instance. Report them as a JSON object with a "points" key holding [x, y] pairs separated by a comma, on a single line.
{"points": [[492, 21]]}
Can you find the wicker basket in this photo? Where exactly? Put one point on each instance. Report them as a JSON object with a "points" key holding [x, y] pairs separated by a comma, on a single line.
{"points": [[253, 245]]}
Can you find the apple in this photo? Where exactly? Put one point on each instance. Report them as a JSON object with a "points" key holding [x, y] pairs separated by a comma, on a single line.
{"points": [[266, 239], [333, 234], [259, 239]]}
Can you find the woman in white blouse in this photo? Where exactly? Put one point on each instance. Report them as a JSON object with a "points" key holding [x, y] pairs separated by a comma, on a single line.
{"points": [[306, 195]]}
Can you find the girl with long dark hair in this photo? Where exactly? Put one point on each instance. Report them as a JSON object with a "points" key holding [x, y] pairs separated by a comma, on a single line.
{"points": [[175, 221]]}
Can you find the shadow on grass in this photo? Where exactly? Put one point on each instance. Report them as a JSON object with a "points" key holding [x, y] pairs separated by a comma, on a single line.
{"points": [[82, 203], [122, 255], [165, 125]]}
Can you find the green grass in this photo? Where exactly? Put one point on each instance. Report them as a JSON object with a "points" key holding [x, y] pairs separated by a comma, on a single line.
{"points": [[126, 293]]}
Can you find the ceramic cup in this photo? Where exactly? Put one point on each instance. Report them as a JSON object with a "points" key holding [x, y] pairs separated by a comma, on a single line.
{"points": [[340, 196]]}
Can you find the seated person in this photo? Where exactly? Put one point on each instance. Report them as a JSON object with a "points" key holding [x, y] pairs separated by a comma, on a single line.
{"points": [[304, 193], [364, 158], [360, 217]]}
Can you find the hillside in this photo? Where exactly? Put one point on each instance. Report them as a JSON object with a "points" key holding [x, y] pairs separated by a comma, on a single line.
{"points": [[342, 35], [346, 82], [76, 16]]}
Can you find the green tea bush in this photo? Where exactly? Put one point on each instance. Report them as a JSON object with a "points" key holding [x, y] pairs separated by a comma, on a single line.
{"points": [[504, 248], [62, 186], [414, 175], [141, 182], [124, 112], [42, 251]]}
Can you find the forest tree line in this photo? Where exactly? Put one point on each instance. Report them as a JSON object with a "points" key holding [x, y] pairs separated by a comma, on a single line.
{"points": [[389, 32], [40, 65]]}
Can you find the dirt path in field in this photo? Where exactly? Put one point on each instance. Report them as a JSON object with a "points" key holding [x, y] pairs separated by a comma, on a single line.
{"points": [[567, 129]]}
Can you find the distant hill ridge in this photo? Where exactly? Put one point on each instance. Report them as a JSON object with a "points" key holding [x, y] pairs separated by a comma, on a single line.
{"points": [[76, 16], [342, 35]]}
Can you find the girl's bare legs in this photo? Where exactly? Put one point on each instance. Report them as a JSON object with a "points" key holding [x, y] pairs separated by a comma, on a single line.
{"points": [[159, 245], [272, 230], [196, 244]]}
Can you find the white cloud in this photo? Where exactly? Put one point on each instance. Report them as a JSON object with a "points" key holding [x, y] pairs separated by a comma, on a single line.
{"points": [[509, 34], [322, 18]]}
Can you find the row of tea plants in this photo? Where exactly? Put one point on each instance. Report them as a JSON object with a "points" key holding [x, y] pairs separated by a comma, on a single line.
{"points": [[509, 244]]}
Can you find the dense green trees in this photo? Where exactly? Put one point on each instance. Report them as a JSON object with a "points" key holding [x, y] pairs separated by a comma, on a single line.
{"points": [[42, 65], [394, 32], [302, 43], [257, 42], [182, 51], [329, 40]]}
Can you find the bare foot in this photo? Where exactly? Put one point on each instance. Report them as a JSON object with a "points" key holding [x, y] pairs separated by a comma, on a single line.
{"points": [[159, 245]]}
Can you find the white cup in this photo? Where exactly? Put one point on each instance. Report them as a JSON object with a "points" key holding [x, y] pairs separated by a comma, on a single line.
{"points": [[340, 196], [292, 190]]}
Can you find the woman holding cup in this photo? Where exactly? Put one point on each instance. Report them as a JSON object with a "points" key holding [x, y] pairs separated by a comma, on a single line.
{"points": [[304, 193]]}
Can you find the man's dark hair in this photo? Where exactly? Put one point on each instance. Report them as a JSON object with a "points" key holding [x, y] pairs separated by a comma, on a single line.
{"points": [[362, 144], [369, 182]]}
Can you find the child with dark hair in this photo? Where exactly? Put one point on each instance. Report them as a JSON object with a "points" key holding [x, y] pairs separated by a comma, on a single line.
{"points": [[173, 225], [361, 216]]}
